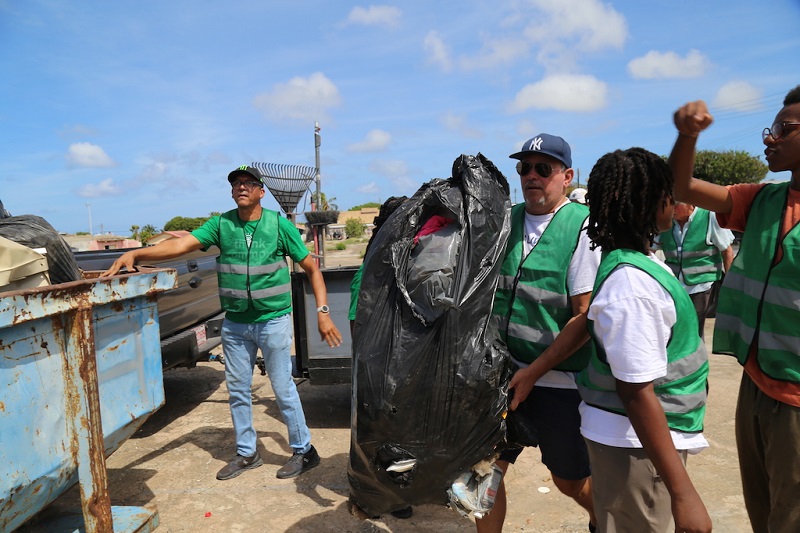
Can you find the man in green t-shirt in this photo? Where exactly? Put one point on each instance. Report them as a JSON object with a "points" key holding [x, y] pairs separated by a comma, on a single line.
{"points": [[255, 292]]}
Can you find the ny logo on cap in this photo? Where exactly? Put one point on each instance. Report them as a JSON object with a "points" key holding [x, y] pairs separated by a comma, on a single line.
{"points": [[243, 167], [536, 144]]}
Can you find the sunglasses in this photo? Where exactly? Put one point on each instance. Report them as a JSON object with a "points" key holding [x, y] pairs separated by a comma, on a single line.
{"points": [[543, 169], [248, 184], [777, 130]]}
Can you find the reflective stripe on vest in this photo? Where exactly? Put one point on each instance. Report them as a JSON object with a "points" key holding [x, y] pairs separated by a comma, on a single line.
{"points": [[682, 391], [254, 277], [760, 300], [698, 260], [531, 302]]}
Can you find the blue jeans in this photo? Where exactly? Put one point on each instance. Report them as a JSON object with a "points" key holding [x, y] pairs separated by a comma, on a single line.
{"points": [[240, 343]]}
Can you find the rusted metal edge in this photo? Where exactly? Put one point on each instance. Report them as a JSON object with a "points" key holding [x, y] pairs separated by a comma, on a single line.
{"points": [[32, 304]]}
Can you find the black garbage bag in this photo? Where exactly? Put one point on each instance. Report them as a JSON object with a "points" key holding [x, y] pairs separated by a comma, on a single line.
{"points": [[36, 232], [430, 375]]}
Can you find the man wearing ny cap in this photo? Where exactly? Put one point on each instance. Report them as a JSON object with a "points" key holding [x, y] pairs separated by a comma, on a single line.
{"points": [[541, 302], [255, 292]]}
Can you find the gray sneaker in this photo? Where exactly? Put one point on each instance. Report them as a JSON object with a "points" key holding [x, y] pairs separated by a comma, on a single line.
{"points": [[239, 465], [299, 463]]}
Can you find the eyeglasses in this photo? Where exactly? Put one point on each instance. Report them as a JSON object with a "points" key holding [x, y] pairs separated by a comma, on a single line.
{"points": [[248, 184], [777, 130], [543, 169]]}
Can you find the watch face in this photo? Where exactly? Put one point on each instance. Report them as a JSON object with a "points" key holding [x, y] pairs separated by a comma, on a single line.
{"points": [[323, 309]]}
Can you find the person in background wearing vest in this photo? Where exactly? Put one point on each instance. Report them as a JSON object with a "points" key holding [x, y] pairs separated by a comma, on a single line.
{"points": [[758, 314], [644, 389], [255, 292], [698, 251], [540, 304]]}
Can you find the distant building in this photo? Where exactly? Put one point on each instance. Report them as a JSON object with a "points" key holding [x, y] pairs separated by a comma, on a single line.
{"points": [[366, 215], [83, 243]]}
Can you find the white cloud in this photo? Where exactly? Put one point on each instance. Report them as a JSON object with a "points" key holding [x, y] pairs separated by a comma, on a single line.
{"points": [[88, 155], [97, 190], [369, 188], [586, 24], [495, 53], [661, 65], [438, 53], [300, 99], [563, 92], [739, 96], [458, 124], [375, 141], [397, 172], [375, 16], [389, 168]]}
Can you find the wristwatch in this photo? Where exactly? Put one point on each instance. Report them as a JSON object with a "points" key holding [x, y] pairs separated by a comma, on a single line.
{"points": [[323, 309]]}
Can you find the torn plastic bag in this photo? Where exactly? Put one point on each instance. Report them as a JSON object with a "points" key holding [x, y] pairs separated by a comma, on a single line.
{"points": [[430, 375], [35, 232]]}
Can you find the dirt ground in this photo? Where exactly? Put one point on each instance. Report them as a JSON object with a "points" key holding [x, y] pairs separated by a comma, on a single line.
{"points": [[171, 462]]}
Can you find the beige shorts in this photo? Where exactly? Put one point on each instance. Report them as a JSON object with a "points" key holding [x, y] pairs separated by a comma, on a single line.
{"points": [[628, 493]]}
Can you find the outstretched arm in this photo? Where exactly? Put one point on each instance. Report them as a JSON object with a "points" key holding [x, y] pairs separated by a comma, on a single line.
{"points": [[327, 329], [164, 250], [648, 419], [690, 120]]}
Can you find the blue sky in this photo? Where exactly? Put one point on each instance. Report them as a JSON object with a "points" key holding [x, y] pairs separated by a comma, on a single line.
{"points": [[134, 112]]}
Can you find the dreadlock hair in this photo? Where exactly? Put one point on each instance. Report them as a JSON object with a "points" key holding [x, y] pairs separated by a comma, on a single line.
{"points": [[792, 97], [387, 208], [626, 188]]}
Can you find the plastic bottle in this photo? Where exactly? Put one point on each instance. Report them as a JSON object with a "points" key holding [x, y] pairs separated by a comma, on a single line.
{"points": [[488, 488]]}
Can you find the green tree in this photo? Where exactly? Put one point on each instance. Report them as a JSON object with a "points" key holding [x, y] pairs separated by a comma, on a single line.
{"points": [[147, 232], [184, 223], [729, 167], [362, 206], [326, 204], [354, 228], [135, 232]]}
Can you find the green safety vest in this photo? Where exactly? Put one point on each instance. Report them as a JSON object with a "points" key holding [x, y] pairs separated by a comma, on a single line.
{"points": [[256, 275], [532, 304], [759, 300], [682, 392], [699, 260]]}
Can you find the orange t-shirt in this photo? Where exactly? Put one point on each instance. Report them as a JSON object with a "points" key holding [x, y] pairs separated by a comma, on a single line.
{"points": [[742, 196]]}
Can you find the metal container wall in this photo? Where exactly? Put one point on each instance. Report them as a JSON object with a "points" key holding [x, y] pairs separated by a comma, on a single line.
{"points": [[80, 372], [316, 360]]}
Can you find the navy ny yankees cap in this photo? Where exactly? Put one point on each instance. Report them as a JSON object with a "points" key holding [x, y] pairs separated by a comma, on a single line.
{"points": [[547, 144]]}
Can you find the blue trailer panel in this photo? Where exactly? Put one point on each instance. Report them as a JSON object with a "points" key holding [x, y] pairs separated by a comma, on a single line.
{"points": [[80, 372]]}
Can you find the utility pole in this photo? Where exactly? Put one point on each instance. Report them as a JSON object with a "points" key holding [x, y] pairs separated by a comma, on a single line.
{"points": [[319, 235], [89, 207]]}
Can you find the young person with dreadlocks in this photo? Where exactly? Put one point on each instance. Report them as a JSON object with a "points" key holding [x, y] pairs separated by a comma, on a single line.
{"points": [[644, 389], [759, 309]]}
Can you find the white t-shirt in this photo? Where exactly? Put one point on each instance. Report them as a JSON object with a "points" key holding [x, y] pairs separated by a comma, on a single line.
{"points": [[633, 315], [580, 279]]}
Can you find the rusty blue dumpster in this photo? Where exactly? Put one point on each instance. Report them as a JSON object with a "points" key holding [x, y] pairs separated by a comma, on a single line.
{"points": [[80, 371]]}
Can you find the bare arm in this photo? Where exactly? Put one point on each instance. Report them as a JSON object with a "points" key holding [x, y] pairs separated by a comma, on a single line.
{"points": [[727, 258], [648, 419], [164, 250], [690, 120], [571, 337], [327, 329]]}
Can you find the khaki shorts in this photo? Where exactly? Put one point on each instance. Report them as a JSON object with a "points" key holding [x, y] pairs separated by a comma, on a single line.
{"points": [[628, 493]]}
